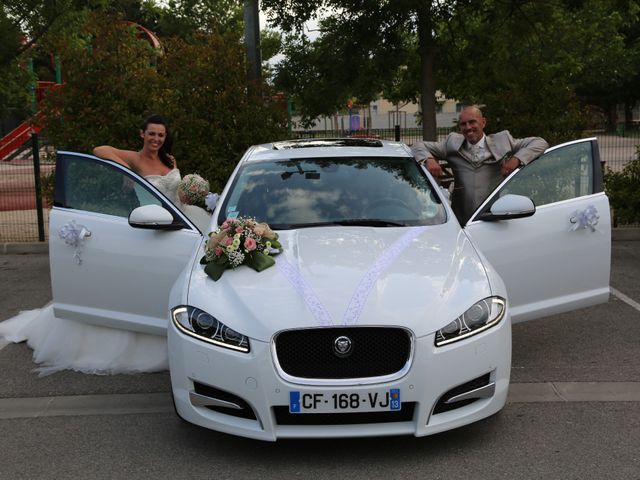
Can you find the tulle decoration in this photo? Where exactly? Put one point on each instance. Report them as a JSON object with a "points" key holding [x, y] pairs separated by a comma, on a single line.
{"points": [[587, 218]]}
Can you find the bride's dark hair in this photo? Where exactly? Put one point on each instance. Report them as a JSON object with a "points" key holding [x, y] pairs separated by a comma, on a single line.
{"points": [[165, 151]]}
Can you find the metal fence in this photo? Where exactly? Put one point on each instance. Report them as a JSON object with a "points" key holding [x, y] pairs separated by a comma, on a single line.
{"points": [[20, 220], [616, 150]]}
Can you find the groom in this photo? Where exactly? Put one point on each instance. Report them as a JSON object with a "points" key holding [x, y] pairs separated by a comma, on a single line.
{"points": [[479, 161]]}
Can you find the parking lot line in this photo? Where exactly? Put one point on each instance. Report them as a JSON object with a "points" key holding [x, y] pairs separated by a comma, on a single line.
{"points": [[624, 298], [140, 403]]}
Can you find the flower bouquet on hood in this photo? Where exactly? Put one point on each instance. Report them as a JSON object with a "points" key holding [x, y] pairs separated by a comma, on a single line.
{"points": [[240, 241]]}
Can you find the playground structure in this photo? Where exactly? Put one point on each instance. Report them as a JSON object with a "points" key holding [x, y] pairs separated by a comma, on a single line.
{"points": [[14, 141]]}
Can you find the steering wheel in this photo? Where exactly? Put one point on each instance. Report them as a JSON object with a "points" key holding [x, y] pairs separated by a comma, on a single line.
{"points": [[390, 207]]}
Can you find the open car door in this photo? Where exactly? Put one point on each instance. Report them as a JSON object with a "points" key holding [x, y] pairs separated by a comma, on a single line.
{"points": [[108, 269], [559, 258]]}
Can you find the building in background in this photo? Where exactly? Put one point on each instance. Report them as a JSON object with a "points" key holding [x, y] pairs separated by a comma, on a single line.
{"points": [[382, 114]]}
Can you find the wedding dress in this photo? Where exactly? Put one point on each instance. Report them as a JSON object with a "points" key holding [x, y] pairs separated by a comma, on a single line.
{"points": [[168, 185], [60, 344]]}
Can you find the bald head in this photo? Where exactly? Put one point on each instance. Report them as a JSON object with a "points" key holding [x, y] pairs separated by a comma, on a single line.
{"points": [[472, 123]]}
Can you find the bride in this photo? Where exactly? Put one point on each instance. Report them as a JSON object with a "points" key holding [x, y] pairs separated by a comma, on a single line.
{"points": [[155, 163], [60, 344]]}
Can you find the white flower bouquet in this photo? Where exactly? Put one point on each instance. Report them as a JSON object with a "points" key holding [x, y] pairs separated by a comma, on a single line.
{"points": [[193, 190]]}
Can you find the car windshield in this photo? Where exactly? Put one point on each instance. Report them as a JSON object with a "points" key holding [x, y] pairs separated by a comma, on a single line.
{"points": [[370, 191]]}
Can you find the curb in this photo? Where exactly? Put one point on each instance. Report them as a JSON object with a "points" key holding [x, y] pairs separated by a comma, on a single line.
{"points": [[22, 248], [625, 234]]}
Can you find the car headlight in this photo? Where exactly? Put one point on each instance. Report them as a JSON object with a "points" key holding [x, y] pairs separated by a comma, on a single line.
{"points": [[481, 316], [203, 326]]}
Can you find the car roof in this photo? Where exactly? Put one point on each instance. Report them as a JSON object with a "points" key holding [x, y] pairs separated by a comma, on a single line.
{"points": [[327, 147]]}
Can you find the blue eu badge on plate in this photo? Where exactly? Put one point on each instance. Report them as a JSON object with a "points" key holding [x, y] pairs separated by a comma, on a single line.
{"points": [[294, 402]]}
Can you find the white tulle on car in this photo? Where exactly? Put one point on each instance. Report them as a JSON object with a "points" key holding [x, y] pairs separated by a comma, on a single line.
{"points": [[60, 344]]}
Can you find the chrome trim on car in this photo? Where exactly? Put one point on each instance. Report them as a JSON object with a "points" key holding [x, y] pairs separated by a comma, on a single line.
{"points": [[482, 392], [198, 400]]}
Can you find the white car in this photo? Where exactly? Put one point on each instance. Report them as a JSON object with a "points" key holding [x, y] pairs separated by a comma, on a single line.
{"points": [[382, 314]]}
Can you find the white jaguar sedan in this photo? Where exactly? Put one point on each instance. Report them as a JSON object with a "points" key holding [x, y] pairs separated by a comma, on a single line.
{"points": [[382, 315]]}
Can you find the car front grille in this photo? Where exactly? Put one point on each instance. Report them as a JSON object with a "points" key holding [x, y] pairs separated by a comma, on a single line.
{"points": [[375, 352]]}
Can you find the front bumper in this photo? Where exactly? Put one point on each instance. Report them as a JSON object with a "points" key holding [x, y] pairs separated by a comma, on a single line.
{"points": [[210, 383]]}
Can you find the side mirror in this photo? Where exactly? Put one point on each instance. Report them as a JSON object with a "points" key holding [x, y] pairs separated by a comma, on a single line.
{"points": [[508, 207], [153, 217]]}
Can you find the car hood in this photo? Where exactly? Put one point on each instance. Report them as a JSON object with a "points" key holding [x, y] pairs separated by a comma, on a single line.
{"points": [[416, 277]]}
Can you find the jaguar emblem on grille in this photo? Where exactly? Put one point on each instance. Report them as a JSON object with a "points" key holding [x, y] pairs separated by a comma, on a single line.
{"points": [[342, 346]]}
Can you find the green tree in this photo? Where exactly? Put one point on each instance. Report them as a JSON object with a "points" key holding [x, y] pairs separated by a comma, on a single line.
{"points": [[613, 77], [539, 67], [23, 25], [111, 84], [184, 18], [215, 116], [364, 48], [533, 63], [114, 80]]}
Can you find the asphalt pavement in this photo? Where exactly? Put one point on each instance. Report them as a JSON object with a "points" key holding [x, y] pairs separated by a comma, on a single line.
{"points": [[573, 410]]}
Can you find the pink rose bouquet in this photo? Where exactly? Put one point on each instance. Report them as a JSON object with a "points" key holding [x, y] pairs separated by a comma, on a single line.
{"points": [[193, 189], [240, 241]]}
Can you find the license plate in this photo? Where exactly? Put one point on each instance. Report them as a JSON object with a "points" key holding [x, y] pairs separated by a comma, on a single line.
{"points": [[345, 401]]}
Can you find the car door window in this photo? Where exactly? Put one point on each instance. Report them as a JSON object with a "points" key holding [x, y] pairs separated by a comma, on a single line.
{"points": [[559, 174], [541, 257], [103, 188]]}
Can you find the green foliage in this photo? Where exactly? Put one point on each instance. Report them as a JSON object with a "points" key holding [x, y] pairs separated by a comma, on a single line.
{"points": [[539, 67], [623, 190], [110, 86], [14, 90], [114, 80], [189, 18], [23, 25], [513, 86], [215, 117], [363, 50]]}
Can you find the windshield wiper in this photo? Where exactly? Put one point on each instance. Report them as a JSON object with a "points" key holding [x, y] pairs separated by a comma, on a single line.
{"points": [[353, 222], [369, 222]]}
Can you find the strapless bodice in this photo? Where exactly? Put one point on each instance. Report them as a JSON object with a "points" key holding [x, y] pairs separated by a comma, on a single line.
{"points": [[167, 184]]}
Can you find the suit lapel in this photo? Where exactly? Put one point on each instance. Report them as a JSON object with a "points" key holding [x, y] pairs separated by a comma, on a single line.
{"points": [[458, 145], [497, 152]]}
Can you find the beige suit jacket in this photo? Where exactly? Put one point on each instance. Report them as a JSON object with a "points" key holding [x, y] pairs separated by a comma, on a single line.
{"points": [[474, 181]]}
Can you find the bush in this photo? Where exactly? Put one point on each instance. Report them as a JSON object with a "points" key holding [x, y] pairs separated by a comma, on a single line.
{"points": [[623, 190], [113, 80]]}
